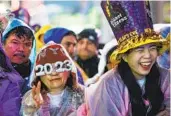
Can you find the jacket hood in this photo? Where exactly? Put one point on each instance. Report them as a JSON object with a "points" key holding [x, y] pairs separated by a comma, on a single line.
{"points": [[42, 31], [13, 23], [50, 54]]}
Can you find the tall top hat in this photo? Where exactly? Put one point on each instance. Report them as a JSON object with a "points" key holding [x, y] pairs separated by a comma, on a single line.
{"points": [[131, 24]]}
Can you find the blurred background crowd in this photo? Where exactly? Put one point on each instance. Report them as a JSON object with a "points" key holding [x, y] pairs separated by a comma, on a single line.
{"points": [[84, 41], [75, 15]]}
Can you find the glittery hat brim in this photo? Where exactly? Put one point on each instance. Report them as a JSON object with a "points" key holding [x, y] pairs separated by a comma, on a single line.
{"points": [[163, 43]]}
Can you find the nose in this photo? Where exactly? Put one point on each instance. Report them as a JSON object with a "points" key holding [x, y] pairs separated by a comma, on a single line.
{"points": [[71, 49], [54, 72], [21, 47], [147, 53], [84, 45]]}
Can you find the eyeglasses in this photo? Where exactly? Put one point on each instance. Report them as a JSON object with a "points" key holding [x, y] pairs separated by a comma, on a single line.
{"points": [[48, 68]]}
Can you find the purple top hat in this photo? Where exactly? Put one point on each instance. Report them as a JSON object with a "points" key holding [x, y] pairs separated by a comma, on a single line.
{"points": [[131, 24]]}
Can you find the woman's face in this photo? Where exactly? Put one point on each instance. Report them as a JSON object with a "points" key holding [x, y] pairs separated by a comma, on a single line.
{"points": [[141, 59], [56, 81]]}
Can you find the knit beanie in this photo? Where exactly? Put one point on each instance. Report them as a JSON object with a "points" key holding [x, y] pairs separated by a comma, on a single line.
{"points": [[55, 34], [89, 34]]}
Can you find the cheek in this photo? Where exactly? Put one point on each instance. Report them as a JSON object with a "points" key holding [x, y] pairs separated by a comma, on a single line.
{"points": [[133, 61], [154, 55], [28, 51], [10, 48], [65, 76], [45, 80]]}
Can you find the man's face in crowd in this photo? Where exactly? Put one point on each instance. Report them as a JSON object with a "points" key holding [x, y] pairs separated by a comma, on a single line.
{"points": [[17, 49], [86, 49], [69, 42]]}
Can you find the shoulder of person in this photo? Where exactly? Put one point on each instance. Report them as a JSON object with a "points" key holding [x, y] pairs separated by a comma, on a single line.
{"points": [[163, 71], [27, 97], [112, 74], [28, 106], [111, 77]]}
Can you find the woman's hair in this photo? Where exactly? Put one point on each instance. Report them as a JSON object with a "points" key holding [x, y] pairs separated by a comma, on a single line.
{"points": [[153, 91], [69, 83]]}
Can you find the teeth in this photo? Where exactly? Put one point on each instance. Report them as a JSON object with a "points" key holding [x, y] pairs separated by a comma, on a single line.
{"points": [[146, 64]]}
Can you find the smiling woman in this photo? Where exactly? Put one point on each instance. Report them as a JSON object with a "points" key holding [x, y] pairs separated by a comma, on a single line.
{"points": [[137, 86], [55, 90]]}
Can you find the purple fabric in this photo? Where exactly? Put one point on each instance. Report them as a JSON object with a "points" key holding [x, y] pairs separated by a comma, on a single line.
{"points": [[22, 14], [164, 60], [109, 96], [127, 16], [10, 95]]}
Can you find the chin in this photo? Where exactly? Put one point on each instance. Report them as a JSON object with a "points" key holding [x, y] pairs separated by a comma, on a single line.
{"points": [[55, 85], [17, 62], [145, 73]]}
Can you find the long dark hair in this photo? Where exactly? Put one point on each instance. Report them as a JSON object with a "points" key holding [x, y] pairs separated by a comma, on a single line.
{"points": [[152, 90]]}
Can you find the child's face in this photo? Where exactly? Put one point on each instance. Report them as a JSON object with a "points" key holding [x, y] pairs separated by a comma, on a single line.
{"points": [[141, 59]]}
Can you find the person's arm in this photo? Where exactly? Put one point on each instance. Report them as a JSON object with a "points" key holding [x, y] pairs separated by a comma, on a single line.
{"points": [[28, 107], [32, 101], [165, 87], [107, 97]]}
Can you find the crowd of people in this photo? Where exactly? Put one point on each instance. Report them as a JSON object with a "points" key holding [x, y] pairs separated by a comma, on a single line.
{"points": [[52, 71]]}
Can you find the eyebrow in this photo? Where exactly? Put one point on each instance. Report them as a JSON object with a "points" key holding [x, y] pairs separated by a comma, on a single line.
{"points": [[14, 39], [140, 47], [143, 46], [25, 41], [152, 45]]}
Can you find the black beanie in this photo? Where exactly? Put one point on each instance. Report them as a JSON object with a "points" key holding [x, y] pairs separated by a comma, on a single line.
{"points": [[89, 34]]}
